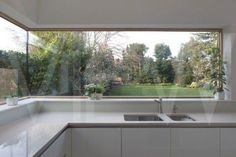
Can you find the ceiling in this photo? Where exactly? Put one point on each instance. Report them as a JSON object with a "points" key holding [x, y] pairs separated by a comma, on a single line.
{"points": [[121, 13]]}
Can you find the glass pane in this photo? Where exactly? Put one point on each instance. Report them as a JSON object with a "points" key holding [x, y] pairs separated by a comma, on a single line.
{"points": [[12, 60], [170, 64]]}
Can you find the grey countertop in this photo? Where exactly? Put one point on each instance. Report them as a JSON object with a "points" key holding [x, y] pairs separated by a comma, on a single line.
{"points": [[29, 136]]}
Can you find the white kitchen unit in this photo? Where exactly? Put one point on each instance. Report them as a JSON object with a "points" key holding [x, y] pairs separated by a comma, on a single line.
{"points": [[96, 142], [61, 147], [195, 142], [146, 142], [228, 142]]}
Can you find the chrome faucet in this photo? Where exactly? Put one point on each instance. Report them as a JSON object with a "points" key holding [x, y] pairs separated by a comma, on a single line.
{"points": [[160, 104]]}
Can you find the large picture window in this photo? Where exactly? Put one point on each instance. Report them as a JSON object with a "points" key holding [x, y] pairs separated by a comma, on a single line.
{"points": [[123, 63], [126, 63]]}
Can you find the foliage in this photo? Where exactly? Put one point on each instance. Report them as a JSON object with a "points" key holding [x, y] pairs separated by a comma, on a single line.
{"points": [[149, 71], [100, 68], [62, 51], [99, 88], [194, 85], [217, 73], [133, 60], [165, 69], [15, 61], [194, 58], [162, 52], [187, 75], [90, 89]]}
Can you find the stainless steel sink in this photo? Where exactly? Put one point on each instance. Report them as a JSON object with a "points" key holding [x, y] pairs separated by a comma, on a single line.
{"points": [[180, 117], [143, 117]]}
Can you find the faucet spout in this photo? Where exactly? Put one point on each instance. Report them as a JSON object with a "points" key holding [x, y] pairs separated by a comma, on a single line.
{"points": [[160, 109]]}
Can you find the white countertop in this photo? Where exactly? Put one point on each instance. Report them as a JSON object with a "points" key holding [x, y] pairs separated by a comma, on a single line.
{"points": [[29, 136]]}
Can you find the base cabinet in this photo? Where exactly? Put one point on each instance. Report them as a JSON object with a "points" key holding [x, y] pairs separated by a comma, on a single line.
{"points": [[146, 142], [228, 142], [195, 142], [96, 142], [61, 147]]}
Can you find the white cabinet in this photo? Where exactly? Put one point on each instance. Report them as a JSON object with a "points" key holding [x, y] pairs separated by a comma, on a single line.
{"points": [[61, 147], [96, 142], [146, 142], [195, 142], [228, 142]]}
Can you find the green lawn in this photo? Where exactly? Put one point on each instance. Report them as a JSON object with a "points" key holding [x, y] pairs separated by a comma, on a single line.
{"points": [[157, 90]]}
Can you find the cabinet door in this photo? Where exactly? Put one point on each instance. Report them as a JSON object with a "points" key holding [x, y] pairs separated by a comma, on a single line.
{"points": [[146, 142], [61, 147], [96, 142], [195, 142], [228, 142]]}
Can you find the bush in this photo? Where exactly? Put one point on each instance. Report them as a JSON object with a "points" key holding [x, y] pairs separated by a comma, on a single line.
{"points": [[194, 85]]}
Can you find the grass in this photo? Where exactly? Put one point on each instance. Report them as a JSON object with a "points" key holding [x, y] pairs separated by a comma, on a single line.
{"points": [[157, 90]]}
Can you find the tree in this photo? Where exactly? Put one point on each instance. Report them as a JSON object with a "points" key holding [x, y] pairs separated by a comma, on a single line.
{"points": [[187, 75], [164, 65], [162, 52], [149, 71], [52, 53], [218, 79], [101, 66], [133, 59], [195, 57], [165, 71], [210, 39]]}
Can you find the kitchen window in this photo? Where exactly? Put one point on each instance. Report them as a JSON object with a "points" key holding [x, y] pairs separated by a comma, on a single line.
{"points": [[126, 63]]}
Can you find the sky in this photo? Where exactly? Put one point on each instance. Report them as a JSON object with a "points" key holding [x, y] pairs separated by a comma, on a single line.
{"points": [[14, 38], [150, 39]]}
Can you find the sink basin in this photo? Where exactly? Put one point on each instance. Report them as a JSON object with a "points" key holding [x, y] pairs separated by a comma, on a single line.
{"points": [[180, 117], [147, 117]]}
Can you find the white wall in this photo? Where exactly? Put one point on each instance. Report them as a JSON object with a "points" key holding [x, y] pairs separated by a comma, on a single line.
{"points": [[138, 13], [126, 13], [24, 11], [26, 7], [230, 58]]}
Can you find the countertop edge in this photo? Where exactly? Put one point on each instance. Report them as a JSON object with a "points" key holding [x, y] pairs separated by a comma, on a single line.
{"points": [[50, 142], [152, 125]]}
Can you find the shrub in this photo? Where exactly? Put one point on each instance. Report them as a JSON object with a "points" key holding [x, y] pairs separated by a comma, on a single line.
{"points": [[194, 85]]}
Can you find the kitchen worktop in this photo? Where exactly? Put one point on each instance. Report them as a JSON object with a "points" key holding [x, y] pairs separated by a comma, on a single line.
{"points": [[32, 134]]}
